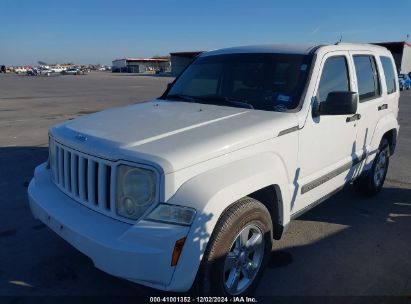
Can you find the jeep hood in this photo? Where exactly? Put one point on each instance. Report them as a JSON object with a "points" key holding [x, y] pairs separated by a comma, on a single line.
{"points": [[171, 134]]}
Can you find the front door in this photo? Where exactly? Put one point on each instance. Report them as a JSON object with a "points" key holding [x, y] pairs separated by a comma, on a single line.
{"points": [[327, 144]]}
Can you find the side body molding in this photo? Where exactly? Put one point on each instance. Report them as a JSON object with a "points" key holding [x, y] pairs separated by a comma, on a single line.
{"points": [[214, 191]]}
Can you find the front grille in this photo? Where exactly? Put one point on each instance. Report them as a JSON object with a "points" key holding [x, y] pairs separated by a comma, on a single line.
{"points": [[87, 179]]}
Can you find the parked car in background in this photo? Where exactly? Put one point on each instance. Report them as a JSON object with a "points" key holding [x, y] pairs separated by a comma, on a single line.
{"points": [[404, 81], [32, 72], [45, 72], [191, 190], [70, 71], [20, 70], [57, 68], [82, 71], [74, 71]]}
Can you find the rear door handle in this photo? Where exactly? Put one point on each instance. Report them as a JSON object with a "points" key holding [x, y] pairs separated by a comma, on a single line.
{"points": [[383, 107], [353, 118]]}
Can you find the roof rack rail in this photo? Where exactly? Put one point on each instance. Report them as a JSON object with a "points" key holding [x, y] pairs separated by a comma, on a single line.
{"points": [[314, 49]]}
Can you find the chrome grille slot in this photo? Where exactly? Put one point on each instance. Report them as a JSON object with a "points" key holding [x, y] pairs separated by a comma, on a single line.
{"points": [[90, 182], [82, 178], [60, 167], [108, 187], [66, 161], [101, 191], [87, 179], [74, 174], [96, 185]]}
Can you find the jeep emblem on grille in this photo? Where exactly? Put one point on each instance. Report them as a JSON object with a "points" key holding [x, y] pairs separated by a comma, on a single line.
{"points": [[81, 137]]}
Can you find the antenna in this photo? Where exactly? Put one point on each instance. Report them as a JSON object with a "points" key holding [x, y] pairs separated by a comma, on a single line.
{"points": [[339, 41]]}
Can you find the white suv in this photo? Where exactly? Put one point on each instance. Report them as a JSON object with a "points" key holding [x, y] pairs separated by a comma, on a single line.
{"points": [[189, 190]]}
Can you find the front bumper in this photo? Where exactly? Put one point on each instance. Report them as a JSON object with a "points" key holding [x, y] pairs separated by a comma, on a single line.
{"points": [[140, 253]]}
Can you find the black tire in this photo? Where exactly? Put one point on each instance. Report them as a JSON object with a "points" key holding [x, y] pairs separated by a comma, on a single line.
{"points": [[211, 277], [367, 184]]}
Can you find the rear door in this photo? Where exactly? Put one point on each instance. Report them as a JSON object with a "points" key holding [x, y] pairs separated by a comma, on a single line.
{"points": [[370, 98]]}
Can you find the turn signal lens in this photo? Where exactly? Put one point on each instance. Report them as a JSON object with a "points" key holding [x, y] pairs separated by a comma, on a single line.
{"points": [[178, 248]]}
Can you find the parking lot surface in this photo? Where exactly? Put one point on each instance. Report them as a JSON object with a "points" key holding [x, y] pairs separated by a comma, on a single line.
{"points": [[347, 246]]}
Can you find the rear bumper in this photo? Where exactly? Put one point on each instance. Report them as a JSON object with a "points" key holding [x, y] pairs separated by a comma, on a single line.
{"points": [[140, 253]]}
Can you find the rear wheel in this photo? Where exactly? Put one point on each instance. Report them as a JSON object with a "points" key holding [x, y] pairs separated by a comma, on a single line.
{"points": [[372, 181], [237, 252]]}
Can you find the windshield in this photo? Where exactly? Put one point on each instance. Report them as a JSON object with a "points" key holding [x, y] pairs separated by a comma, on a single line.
{"points": [[271, 82]]}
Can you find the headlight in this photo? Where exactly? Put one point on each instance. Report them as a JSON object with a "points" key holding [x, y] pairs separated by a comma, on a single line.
{"points": [[172, 214], [136, 191]]}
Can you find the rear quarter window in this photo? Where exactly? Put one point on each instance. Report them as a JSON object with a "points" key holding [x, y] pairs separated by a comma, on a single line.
{"points": [[389, 73]]}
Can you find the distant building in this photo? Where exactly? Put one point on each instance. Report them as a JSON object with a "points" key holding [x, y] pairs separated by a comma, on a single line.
{"points": [[140, 65], [401, 51], [179, 60]]}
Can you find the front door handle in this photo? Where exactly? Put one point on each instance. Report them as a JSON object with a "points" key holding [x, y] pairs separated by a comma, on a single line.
{"points": [[353, 118], [383, 107]]}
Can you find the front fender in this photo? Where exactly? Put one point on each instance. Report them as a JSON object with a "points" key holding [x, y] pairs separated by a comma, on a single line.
{"points": [[210, 193]]}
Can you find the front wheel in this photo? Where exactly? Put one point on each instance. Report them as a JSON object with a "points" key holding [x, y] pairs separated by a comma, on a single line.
{"points": [[237, 252]]}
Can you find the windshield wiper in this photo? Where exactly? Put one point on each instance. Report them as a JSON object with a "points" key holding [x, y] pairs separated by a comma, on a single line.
{"points": [[219, 100], [183, 97], [227, 100], [240, 102]]}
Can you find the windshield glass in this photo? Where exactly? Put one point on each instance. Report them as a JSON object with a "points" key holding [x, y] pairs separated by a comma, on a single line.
{"points": [[271, 82]]}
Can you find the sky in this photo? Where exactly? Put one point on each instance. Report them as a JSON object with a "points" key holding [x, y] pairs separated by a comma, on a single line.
{"points": [[98, 31]]}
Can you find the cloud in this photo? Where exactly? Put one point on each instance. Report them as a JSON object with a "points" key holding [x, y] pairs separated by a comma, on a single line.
{"points": [[315, 31]]}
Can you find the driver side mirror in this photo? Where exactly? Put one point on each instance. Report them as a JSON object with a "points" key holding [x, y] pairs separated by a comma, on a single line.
{"points": [[338, 103]]}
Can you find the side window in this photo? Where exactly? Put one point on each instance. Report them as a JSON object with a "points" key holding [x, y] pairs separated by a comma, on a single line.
{"points": [[334, 77], [367, 77], [389, 74]]}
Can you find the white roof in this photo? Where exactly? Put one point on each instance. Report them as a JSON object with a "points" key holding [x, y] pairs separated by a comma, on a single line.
{"points": [[302, 49], [269, 48]]}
